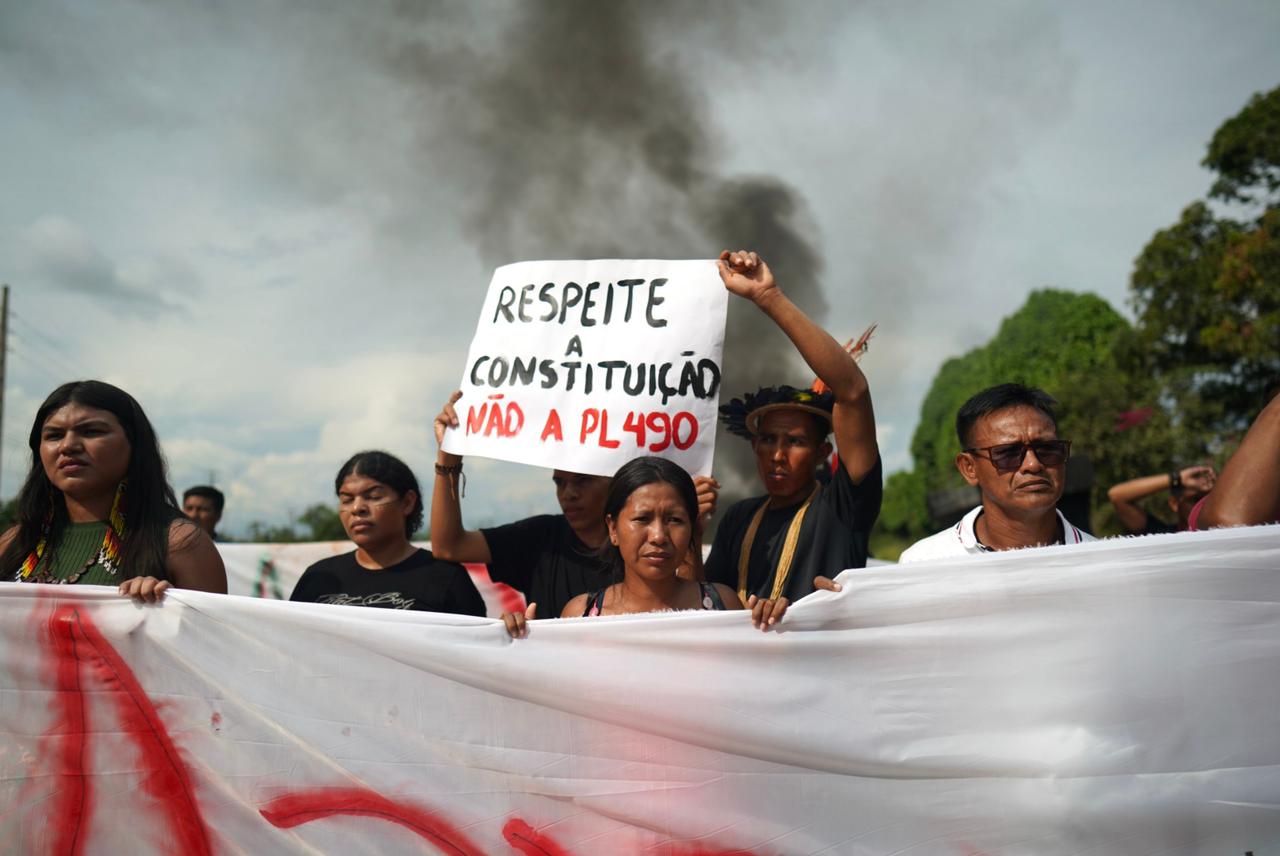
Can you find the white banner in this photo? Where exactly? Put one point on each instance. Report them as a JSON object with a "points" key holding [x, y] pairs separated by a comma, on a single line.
{"points": [[584, 365], [1114, 697]]}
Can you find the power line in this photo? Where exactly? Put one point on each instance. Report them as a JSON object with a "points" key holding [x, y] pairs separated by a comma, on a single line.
{"points": [[30, 363], [36, 351]]}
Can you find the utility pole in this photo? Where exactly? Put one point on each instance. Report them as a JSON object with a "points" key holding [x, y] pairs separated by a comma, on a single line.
{"points": [[4, 351]]}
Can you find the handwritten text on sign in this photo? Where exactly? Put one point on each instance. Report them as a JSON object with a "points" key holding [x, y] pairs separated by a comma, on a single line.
{"points": [[585, 365]]}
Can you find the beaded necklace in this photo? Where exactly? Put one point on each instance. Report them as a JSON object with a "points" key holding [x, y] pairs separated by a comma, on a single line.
{"points": [[108, 554]]}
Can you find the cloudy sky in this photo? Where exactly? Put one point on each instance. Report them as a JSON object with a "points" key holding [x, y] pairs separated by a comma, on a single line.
{"points": [[274, 222]]}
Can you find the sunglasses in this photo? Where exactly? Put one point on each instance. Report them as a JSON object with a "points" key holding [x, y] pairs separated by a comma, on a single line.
{"points": [[1007, 457]]}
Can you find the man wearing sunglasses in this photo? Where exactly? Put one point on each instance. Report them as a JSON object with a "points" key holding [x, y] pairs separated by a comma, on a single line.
{"points": [[1013, 455]]}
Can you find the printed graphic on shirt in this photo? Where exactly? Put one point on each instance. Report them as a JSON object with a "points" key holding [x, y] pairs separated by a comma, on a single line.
{"points": [[386, 599]]}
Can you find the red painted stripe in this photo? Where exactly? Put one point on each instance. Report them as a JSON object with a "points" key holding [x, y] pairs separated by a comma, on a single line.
{"points": [[529, 841], [72, 801], [168, 781], [302, 807]]}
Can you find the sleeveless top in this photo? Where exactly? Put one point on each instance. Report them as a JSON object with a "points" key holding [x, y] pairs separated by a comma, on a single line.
{"points": [[710, 600], [78, 545]]}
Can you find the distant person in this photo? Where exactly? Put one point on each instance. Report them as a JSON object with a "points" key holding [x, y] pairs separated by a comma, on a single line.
{"points": [[380, 505], [550, 558], [1186, 487], [1012, 453], [203, 505], [1248, 491], [96, 508], [773, 547]]}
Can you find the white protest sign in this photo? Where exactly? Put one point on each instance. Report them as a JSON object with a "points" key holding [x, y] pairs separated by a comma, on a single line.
{"points": [[584, 365]]}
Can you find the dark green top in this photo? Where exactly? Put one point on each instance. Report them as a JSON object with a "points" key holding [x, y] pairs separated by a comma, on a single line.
{"points": [[80, 543]]}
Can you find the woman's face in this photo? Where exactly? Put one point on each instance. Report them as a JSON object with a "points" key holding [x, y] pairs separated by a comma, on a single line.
{"points": [[372, 512], [652, 531], [84, 450]]}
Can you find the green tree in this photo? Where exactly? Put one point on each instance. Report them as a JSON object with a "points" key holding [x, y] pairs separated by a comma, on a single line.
{"points": [[1053, 335], [323, 524], [1064, 343], [1206, 291], [261, 533]]}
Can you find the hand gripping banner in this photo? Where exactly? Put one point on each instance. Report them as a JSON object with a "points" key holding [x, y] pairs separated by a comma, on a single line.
{"points": [[1114, 697]]}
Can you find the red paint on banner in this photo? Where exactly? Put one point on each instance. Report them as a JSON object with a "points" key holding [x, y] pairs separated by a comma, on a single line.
{"points": [[509, 599], [81, 656], [80, 645], [302, 807], [68, 737], [529, 841]]}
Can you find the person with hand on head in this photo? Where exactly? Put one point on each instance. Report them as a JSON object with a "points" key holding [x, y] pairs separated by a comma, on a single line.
{"points": [[1186, 487], [1012, 453], [380, 505], [1248, 491], [550, 558], [204, 504], [96, 507], [652, 517], [773, 547]]}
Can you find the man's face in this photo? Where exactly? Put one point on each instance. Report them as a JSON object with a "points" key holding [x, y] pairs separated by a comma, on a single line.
{"points": [[581, 499], [788, 450], [202, 511], [1031, 488]]}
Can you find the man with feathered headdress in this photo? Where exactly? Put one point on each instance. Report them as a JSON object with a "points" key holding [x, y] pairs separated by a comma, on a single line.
{"points": [[772, 547]]}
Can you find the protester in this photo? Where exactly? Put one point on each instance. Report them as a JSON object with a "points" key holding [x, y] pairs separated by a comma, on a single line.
{"points": [[96, 507], [380, 505], [1013, 455], [203, 505], [773, 547], [651, 513], [1248, 491], [1186, 487], [551, 558]]}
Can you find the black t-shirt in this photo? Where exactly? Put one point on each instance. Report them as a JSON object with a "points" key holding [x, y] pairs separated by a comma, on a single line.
{"points": [[833, 536], [543, 558], [421, 582], [1156, 526]]}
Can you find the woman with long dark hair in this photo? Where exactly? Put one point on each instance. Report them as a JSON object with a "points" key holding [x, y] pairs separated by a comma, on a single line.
{"points": [[380, 505], [651, 514], [96, 507]]}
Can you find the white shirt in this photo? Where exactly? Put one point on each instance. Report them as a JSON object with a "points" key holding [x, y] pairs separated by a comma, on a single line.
{"points": [[961, 540]]}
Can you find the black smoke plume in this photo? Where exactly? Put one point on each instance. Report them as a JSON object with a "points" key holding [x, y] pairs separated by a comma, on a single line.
{"points": [[580, 131]]}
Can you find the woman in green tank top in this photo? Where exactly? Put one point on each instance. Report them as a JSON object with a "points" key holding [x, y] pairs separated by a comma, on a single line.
{"points": [[96, 507]]}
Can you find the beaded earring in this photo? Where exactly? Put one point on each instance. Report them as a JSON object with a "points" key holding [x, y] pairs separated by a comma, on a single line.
{"points": [[32, 561]]}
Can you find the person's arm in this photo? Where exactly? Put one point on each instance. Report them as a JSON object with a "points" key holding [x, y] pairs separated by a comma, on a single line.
{"points": [[728, 597], [853, 420], [1248, 491], [1125, 496], [192, 563], [449, 539]]}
